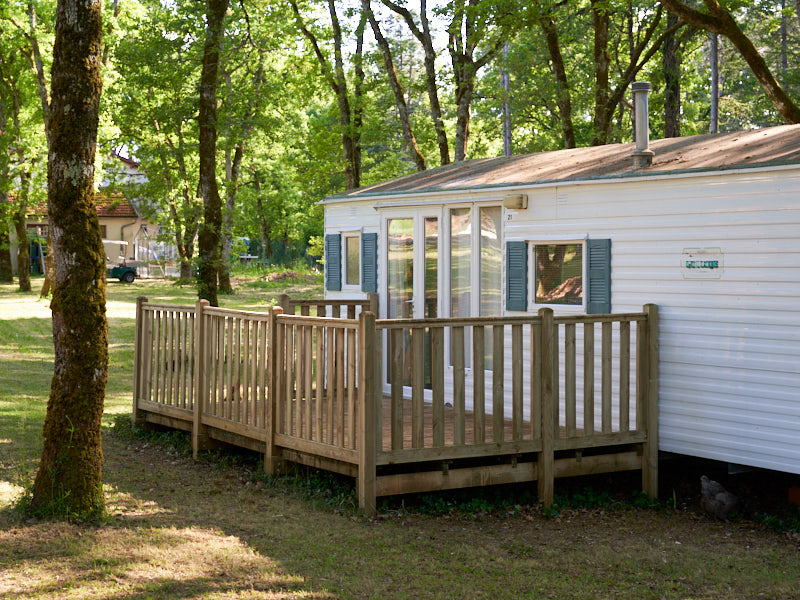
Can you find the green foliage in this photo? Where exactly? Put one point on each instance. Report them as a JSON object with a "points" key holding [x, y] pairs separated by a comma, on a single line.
{"points": [[172, 439], [787, 522]]}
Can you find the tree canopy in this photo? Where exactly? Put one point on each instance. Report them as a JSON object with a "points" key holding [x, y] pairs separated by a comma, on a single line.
{"points": [[312, 97]]}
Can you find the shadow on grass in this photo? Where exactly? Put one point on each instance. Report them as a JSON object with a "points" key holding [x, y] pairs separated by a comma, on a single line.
{"points": [[139, 563]]}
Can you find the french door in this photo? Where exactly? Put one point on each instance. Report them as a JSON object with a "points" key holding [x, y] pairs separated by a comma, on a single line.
{"points": [[412, 282], [443, 262]]}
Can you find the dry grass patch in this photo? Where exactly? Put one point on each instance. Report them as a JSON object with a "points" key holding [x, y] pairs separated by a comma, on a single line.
{"points": [[57, 561]]}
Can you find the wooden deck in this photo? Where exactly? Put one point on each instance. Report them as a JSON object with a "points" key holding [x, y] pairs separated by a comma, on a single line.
{"points": [[307, 389]]}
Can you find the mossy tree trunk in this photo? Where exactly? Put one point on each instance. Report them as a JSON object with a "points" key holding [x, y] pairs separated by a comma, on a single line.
{"points": [[69, 478], [210, 230], [6, 275], [23, 252]]}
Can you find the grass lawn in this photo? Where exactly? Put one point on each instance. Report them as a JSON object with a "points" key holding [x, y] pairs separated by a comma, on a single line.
{"points": [[217, 529]]}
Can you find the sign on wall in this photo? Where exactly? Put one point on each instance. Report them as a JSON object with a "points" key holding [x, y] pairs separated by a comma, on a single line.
{"points": [[702, 263]]}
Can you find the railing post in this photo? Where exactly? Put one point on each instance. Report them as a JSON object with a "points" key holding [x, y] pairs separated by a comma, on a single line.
{"points": [[367, 398], [199, 432], [650, 450], [137, 418], [271, 456], [373, 303], [283, 302], [545, 460]]}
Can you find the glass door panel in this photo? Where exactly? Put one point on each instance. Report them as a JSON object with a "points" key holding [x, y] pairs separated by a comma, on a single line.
{"points": [[491, 262], [430, 310], [460, 262], [491, 259], [400, 289]]}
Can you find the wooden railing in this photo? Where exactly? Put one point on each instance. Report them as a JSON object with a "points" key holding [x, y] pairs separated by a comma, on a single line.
{"points": [[233, 379], [528, 402], [313, 389], [315, 385], [164, 356], [345, 309]]}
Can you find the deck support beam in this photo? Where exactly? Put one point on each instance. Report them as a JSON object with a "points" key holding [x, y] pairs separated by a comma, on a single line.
{"points": [[272, 458], [138, 417], [650, 408], [368, 398], [200, 438], [546, 468]]}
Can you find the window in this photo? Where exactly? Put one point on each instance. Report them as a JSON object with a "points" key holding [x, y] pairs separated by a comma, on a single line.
{"points": [[358, 268], [103, 231], [558, 273], [562, 273], [352, 261]]}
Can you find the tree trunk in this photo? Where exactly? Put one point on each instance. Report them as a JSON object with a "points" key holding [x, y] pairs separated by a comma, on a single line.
{"points": [[47, 284], [6, 274], [562, 85], [349, 126], [784, 40], [713, 126], [423, 34], [232, 169], [266, 242], [69, 478], [671, 66], [602, 60], [465, 36], [23, 252], [186, 269], [397, 88], [209, 237], [719, 20], [349, 141]]}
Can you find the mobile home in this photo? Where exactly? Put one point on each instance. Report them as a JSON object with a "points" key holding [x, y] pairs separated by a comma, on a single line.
{"points": [[709, 231]]}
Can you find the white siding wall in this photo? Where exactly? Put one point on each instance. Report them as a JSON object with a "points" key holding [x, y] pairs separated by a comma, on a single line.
{"points": [[353, 216], [730, 347]]}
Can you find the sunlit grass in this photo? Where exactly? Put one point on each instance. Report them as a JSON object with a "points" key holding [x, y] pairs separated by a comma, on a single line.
{"points": [[218, 529]]}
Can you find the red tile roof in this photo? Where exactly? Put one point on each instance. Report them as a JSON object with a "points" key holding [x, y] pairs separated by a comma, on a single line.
{"points": [[115, 207], [110, 207]]}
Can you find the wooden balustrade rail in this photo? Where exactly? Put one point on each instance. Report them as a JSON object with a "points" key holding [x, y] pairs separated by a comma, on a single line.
{"points": [[311, 389]]}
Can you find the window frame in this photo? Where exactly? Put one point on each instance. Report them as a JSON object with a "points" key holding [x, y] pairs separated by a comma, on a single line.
{"points": [[345, 235], [534, 306]]}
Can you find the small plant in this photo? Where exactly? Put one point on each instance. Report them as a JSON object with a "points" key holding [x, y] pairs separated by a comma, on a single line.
{"points": [[319, 487], [180, 441], [789, 522]]}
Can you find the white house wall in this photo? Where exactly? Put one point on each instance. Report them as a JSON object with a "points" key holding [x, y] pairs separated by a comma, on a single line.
{"points": [[353, 216], [729, 347]]}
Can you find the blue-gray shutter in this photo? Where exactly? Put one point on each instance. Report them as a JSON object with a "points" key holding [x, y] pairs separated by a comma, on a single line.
{"points": [[516, 276], [598, 299], [369, 262], [333, 262]]}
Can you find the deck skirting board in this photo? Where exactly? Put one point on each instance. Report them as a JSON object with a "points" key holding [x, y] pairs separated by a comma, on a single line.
{"points": [[320, 462], [456, 478], [310, 447], [429, 481], [182, 414]]}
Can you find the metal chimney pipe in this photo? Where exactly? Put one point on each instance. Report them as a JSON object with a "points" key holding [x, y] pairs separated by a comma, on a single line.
{"points": [[642, 156]]}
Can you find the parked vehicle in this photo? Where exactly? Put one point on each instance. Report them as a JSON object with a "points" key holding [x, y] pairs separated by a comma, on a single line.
{"points": [[120, 269]]}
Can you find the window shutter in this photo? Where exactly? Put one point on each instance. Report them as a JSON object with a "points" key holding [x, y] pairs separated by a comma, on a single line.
{"points": [[599, 269], [369, 262], [333, 262], [516, 276]]}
